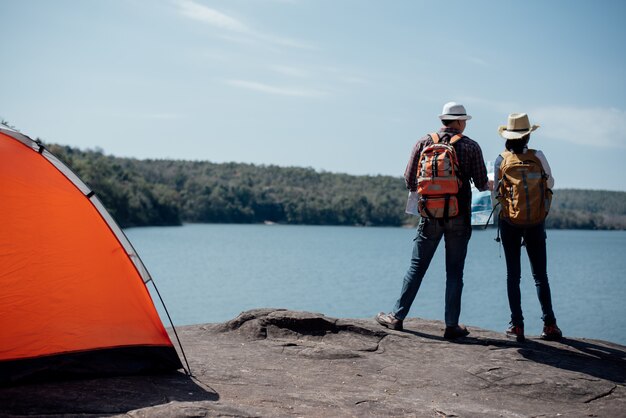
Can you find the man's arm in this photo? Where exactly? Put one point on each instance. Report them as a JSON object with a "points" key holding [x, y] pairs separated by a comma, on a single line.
{"points": [[479, 171], [410, 173]]}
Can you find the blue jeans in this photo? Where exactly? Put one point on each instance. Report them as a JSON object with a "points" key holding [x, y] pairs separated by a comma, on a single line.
{"points": [[535, 241], [456, 232]]}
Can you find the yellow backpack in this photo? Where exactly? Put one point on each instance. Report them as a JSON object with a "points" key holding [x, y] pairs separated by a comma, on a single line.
{"points": [[523, 190]]}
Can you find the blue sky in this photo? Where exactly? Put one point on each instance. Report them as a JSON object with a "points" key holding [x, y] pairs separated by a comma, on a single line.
{"points": [[337, 85]]}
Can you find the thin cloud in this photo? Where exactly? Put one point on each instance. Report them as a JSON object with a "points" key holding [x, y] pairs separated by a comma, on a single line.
{"points": [[586, 126], [162, 116], [578, 125], [478, 61], [495, 105], [290, 71], [276, 90], [332, 74], [354, 80], [195, 11], [343, 76], [286, 42]]}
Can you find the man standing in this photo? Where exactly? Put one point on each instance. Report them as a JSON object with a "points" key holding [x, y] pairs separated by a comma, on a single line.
{"points": [[456, 230]]}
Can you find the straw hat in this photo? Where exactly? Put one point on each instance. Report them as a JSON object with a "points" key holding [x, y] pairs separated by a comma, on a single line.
{"points": [[517, 126], [454, 111]]}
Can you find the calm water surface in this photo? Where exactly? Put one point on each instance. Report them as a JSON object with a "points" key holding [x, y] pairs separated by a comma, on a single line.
{"points": [[211, 273]]}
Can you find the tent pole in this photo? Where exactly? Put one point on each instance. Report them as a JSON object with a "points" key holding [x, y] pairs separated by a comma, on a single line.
{"points": [[188, 370]]}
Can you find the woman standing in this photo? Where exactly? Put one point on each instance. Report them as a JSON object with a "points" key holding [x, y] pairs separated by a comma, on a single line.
{"points": [[524, 192]]}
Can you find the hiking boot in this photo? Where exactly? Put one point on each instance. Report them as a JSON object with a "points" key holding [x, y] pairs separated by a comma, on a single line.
{"points": [[517, 332], [551, 333], [389, 321], [452, 333]]}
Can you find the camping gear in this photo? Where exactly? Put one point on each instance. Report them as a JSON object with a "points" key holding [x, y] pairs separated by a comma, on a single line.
{"points": [[523, 191], [74, 299], [437, 179]]}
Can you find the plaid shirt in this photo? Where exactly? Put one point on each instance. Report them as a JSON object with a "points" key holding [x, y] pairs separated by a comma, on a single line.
{"points": [[471, 166]]}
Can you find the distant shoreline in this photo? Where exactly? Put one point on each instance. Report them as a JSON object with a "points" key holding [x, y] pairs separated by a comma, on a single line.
{"points": [[172, 192], [405, 226]]}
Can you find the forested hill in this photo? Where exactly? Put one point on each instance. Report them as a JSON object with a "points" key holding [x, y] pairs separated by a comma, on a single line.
{"points": [[170, 192]]}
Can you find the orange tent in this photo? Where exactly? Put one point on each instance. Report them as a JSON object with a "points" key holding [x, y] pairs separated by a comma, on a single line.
{"points": [[73, 295]]}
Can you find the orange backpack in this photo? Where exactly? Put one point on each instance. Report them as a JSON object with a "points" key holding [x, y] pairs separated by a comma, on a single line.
{"points": [[523, 189], [437, 179]]}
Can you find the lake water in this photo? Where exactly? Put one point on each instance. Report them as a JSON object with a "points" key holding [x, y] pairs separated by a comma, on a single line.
{"points": [[211, 273]]}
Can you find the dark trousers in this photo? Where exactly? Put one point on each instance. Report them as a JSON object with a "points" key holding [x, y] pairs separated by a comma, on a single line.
{"points": [[456, 233], [534, 239]]}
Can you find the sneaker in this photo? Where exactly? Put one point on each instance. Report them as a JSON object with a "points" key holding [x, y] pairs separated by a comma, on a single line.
{"points": [[389, 321], [517, 332], [452, 333], [551, 333]]}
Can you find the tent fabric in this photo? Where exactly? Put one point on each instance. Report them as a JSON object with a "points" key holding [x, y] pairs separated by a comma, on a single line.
{"points": [[90, 363], [70, 281]]}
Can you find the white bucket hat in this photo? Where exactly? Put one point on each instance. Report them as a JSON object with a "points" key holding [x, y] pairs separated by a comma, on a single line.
{"points": [[517, 126], [454, 111]]}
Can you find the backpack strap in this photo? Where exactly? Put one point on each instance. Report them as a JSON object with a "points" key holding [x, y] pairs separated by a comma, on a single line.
{"points": [[503, 154], [425, 207], [456, 138], [435, 137]]}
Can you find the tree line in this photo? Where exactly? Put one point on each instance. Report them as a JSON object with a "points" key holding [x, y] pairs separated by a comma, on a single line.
{"points": [[171, 192]]}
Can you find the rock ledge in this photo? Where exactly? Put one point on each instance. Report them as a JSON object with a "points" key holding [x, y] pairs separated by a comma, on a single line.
{"points": [[274, 362]]}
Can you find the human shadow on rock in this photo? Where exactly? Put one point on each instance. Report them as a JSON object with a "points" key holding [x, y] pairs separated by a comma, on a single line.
{"points": [[592, 359], [106, 395], [596, 360], [469, 340]]}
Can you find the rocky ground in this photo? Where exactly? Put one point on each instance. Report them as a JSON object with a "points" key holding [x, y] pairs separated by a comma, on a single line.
{"points": [[277, 363]]}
